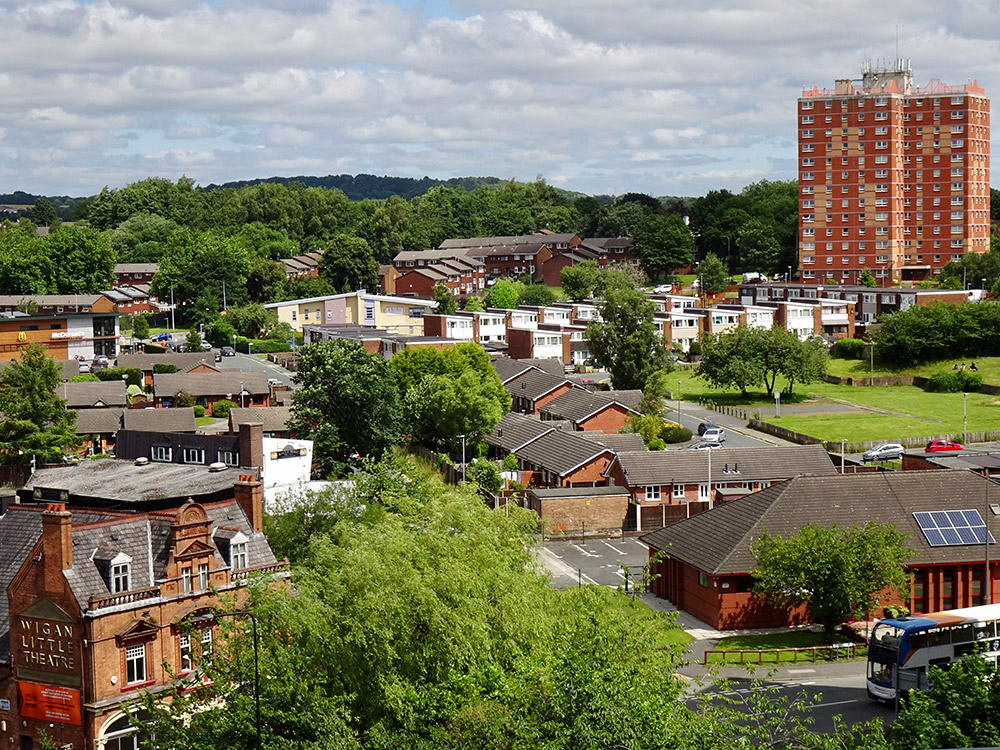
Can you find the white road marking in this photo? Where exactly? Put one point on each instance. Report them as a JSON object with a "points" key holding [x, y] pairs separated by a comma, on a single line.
{"points": [[546, 549], [611, 546], [835, 703], [588, 579], [801, 671], [583, 550]]}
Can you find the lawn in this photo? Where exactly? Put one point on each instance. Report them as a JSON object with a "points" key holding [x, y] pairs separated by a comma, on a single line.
{"points": [[768, 641], [989, 368], [202, 421]]}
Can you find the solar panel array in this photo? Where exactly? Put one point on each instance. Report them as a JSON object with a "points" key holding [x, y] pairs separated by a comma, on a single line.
{"points": [[947, 528]]}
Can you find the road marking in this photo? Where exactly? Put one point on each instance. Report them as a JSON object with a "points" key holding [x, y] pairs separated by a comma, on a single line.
{"points": [[835, 703], [546, 549], [583, 550], [801, 671], [588, 579], [611, 546], [619, 574]]}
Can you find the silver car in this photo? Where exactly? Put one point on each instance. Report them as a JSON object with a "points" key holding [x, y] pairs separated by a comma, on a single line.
{"points": [[884, 452], [713, 435]]}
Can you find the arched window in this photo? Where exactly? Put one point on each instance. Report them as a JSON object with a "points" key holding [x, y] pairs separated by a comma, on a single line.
{"points": [[120, 734]]}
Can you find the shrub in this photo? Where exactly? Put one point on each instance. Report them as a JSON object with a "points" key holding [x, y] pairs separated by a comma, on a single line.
{"points": [[199, 410], [261, 346], [656, 444], [183, 399], [675, 433], [154, 349], [133, 374], [221, 409], [695, 348], [954, 381], [88, 377], [163, 368], [850, 348]]}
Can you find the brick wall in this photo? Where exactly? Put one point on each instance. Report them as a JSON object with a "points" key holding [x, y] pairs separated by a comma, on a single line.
{"points": [[571, 514], [611, 419]]}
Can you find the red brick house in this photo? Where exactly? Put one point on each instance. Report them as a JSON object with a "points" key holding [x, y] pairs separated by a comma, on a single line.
{"points": [[588, 410], [707, 560], [534, 388], [131, 274], [244, 388]]}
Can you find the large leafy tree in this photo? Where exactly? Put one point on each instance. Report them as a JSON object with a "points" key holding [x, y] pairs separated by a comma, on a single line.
{"points": [[348, 264], [348, 403], [35, 421], [579, 280], [839, 572], [713, 274], [626, 341], [196, 269], [663, 244], [81, 260], [504, 293], [447, 303], [732, 360]]}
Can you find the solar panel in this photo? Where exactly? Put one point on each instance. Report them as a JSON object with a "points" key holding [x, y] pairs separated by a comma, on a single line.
{"points": [[946, 528]]}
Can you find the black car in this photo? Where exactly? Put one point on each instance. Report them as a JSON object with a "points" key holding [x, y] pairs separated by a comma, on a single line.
{"points": [[228, 351], [706, 426]]}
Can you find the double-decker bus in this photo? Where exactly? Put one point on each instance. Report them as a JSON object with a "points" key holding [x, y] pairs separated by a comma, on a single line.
{"points": [[901, 649]]}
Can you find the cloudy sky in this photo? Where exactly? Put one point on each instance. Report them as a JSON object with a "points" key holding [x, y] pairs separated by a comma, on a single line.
{"points": [[600, 96]]}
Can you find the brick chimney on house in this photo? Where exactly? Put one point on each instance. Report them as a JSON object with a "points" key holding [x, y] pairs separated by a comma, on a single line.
{"points": [[249, 493], [251, 445], [57, 546]]}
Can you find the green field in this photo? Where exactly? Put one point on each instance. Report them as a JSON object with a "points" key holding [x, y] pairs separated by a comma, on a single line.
{"points": [[989, 368]]}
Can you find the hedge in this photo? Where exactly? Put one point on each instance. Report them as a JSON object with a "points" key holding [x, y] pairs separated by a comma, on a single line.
{"points": [[850, 348], [955, 381], [262, 346]]}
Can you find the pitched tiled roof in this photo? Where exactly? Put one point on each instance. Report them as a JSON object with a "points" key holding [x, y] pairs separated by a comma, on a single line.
{"points": [[718, 541], [765, 464], [629, 398], [618, 442], [274, 418], [210, 384], [177, 419], [83, 395], [561, 452], [551, 365], [515, 430], [136, 267], [20, 529], [182, 361], [578, 404], [98, 421], [534, 384]]}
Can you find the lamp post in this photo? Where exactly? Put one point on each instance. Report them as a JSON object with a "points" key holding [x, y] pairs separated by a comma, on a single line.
{"points": [[242, 391], [249, 347], [965, 418], [871, 364], [211, 617], [777, 403], [172, 309], [789, 274], [843, 450], [463, 456], [678, 402]]}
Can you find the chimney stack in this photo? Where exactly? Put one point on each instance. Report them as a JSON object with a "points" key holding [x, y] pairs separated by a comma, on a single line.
{"points": [[57, 545], [252, 445], [250, 495]]}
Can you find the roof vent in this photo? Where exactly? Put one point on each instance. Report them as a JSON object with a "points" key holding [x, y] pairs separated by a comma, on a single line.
{"points": [[736, 468], [141, 461], [217, 466], [725, 469]]}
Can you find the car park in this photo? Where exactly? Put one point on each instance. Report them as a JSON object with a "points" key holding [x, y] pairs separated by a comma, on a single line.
{"points": [[883, 452], [205, 346], [228, 351], [943, 445], [713, 435], [706, 426]]}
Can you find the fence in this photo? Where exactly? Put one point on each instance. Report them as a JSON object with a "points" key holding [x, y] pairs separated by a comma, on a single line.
{"points": [[832, 652], [732, 411]]}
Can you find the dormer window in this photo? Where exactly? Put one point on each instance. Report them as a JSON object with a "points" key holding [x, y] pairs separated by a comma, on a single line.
{"points": [[115, 568], [232, 546], [239, 555], [121, 577]]}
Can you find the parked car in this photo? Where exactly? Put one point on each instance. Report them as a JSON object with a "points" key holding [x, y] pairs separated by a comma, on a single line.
{"points": [[101, 359], [706, 426], [84, 367], [663, 289], [713, 435], [205, 346], [883, 452], [228, 351], [943, 445], [702, 446], [157, 337], [273, 382]]}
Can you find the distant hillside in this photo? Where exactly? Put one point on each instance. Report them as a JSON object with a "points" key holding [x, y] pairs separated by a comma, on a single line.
{"points": [[359, 187], [20, 198]]}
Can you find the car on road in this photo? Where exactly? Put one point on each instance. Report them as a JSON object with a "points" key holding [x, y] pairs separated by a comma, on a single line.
{"points": [[943, 445], [713, 435], [273, 382], [156, 337], [706, 426], [663, 289], [883, 452], [228, 351], [205, 346], [701, 445]]}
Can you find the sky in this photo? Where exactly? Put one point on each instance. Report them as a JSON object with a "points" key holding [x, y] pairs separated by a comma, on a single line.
{"points": [[596, 96]]}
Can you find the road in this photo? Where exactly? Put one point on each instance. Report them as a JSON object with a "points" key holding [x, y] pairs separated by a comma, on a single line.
{"points": [[737, 436], [246, 363]]}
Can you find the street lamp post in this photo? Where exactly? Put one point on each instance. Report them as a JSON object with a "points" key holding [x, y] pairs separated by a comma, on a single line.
{"points": [[965, 418], [843, 450], [242, 391], [871, 364], [789, 274], [463, 456], [777, 403], [212, 616], [678, 402]]}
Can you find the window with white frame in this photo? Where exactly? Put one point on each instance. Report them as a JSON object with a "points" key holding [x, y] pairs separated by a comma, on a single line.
{"points": [[161, 453], [239, 555], [135, 664], [186, 580], [184, 646], [203, 576], [121, 577], [679, 491], [704, 492], [194, 455]]}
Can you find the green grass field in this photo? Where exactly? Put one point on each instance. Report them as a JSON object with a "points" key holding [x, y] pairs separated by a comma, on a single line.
{"points": [[202, 421], [764, 642]]}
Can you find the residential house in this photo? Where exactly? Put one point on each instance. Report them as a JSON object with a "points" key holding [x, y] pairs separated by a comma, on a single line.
{"points": [[134, 274], [244, 388], [99, 395], [273, 420], [533, 389], [588, 410], [396, 314]]}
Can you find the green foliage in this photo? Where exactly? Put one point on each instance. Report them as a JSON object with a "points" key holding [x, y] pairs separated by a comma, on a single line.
{"points": [[140, 326], [850, 348], [150, 348], [87, 377], [663, 244], [474, 304], [447, 303], [164, 367], [43, 213], [504, 293], [186, 400], [961, 709], [486, 474], [251, 321], [713, 274], [199, 410], [349, 264], [35, 421], [579, 280], [695, 348], [970, 270], [219, 332], [626, 341], [840, 572], [538, 294], [928, 333], [131, 375], [866, 278], [675, 433], [656, 390], [341, 381], [955, 381], [192, 342], [221, 408], [81, 260], [748, 357], [282, 332]]}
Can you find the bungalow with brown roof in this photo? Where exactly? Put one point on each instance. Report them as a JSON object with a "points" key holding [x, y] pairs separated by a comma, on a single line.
{"points": [[707, 559], [183, 361], [588, 410], [92, 395], [534, 388], [206, 388], [273, 420], [97, 429]]}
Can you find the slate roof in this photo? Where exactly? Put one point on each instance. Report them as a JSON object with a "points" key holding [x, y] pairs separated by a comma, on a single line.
{"points": [[136, 268], [83, 395], [274, 418], [507, 368], [755, 464], [551, 365], [618, 442], [534, 384], [515, 430], [98, 421], [177, 419], [19, 530], [210, 384], [561, 452], [182, 361], [718, 541], [578, 404]]}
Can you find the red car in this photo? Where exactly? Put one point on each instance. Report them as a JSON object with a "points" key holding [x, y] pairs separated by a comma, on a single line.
{"points": [[943, 445]]}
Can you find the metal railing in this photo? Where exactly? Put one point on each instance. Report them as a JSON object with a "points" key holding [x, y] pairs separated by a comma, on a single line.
{"points": [[831, 653]]}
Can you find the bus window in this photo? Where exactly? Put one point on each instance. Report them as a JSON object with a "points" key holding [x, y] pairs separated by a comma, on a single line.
{"points": [[938, 637]]}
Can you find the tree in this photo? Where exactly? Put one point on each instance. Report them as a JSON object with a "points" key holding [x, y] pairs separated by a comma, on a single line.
{"points": [[43, 213], [839, 572], [538, 294], [713, 274], [81, 260], [626, 341], [340, 382], [140, 326], [578, 280], [265, 279], [731, 360], [663, 244], [759, 249], [504, 293], [447, 303], [192, 341], [251, 321], [656, 391], [349, 264], [35, 421], [866, 278]]}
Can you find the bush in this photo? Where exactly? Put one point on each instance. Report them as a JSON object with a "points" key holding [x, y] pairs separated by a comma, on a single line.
{"points": [[154, 349], [695, 348], [675, 433], [133, 374], [199, 410], [183, 399], [850, 348], [221, 409], [163, 368], [88, 377], [955, 381], [261, 346]]}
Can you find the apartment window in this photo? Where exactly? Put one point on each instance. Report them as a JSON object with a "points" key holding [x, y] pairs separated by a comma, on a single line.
{"points": [[206, 643], [653, 493], [121, 577], [808, 203], [305, 313], [881, 144], [239, 555], [808, 217], [881, 115], [829, 260], [135, 664], [881, 258], [807, 147], [957, 115], [807, 105], [194, 455], [808, 260], [844, 260], [294, 315], [186, 580], [957, 129], [808, 189], [807, 119], [203, 576], [161, 453], [882, 130], [881, 101], [229, 458], [808, 162]]}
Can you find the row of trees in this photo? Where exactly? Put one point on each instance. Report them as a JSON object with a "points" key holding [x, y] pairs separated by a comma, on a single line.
{"points": [[938, 331]]}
